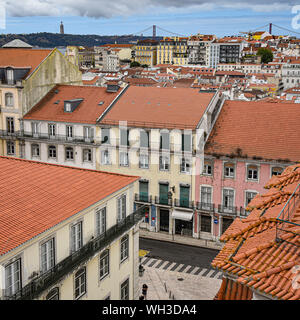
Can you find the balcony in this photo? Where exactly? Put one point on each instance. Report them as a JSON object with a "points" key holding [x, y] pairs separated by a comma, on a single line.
{"points": [[163, 200], [38, 285], [227, 210], [59, 137], [9, 134], [184, 203], [208, 207], [142, 198]]}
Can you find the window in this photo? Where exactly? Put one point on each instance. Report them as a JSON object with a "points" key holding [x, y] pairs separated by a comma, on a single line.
{"points": [[69, 153], [53, 294], [124, 137], [206, 197], [229, 170], [228, 198], [10, 125], [47, 255], [13, 277], [51, 130], [124, 161], [10, 145], [207, 168], [80, 283], [69, 132], [100, 221], [252, 173], [35, 150], [76, 236], [104, 264], [125, 290], [164, 162], [144, 139], [186, 142], [143, 189], [226, 222], [10, 76], [121, 208], [124, 248], [52, 151], [105, 157], [88, 133], [249, 196], [68, 107], [105, 135], [9, 99], [205, 223], [34, 128], [144, 161], [276, 171], [185, 166], [87, 155]]}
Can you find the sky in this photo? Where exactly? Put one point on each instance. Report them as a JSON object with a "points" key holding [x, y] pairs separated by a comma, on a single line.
{"points": [[118, 17]]}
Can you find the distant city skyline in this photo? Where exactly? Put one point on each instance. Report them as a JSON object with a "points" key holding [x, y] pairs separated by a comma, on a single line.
{"points": [[217, 17]]}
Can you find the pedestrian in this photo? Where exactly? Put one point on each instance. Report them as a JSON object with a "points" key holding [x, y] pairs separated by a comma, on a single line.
{"points": [[144, 290], [141, 297]]}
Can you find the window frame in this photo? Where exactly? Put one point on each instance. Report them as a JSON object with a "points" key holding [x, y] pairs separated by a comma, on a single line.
{"points": [[127, 294], [69, 151], [9, 97], [229, 165], [51, 258], [35, 146], [52, 294], [124, 248], [101, 221], [121, 207], [76, 241], [19, 280], [87, 152], [105, 255], [10, 148], [78, 276]]}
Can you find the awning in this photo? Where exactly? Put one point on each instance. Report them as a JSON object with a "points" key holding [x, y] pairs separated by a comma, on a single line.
{"points": [[182, 215]]}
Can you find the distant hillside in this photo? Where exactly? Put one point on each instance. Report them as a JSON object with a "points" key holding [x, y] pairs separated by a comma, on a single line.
{"points": [[50, 40]]}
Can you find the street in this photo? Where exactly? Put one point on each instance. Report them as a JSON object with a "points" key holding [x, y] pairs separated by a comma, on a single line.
{"points": [[179, 253]]}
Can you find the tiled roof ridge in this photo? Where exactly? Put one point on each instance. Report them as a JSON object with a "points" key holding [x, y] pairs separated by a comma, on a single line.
{"points": [[69, 167]]}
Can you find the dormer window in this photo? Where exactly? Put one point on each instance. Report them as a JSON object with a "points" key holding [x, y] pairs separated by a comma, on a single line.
{"points": [[71, 105], [10, 76]]}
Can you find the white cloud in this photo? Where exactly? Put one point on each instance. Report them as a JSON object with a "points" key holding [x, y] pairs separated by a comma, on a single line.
{"points": [[107, 9]]}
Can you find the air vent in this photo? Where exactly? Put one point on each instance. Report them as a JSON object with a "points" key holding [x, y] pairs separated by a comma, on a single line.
{"points": [[56, 102], [100, 103]]}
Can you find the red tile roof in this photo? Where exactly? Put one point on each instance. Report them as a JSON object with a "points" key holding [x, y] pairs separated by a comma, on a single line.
{"points": [[36, 196], [260, 129], [254, 254], [154, 107], [87, 112], [22, 58]]}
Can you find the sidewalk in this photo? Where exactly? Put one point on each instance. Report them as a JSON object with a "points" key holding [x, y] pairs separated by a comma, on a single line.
{"points": [[171, 285], [180, 239]]}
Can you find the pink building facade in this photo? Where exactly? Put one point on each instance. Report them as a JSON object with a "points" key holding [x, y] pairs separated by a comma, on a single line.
{"points": [[224, 189]]}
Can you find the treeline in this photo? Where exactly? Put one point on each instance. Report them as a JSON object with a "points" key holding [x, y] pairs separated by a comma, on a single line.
{"points": [[50, 40]]}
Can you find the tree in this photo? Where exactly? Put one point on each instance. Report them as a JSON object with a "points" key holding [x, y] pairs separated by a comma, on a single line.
{"points": [[266, 55], [134, 64]]}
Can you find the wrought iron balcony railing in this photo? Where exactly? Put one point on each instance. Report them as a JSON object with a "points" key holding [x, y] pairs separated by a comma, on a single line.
{"points": [[9, 133], [210, 207], [285, 216], [38, 285], [163, 200], [140, 197], [227, 209], [59, 137], [184, 203]]}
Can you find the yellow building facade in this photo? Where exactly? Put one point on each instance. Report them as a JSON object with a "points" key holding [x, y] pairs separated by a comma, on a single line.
{"points": [[173, 50], [103, 266], [146, 52]]}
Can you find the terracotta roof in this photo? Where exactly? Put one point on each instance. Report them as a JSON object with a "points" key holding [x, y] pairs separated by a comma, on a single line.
{"points": [[22, 58], [260, 129], [141, 81], [36, 196], [159, 107], [255, 254], [87, 112]]}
